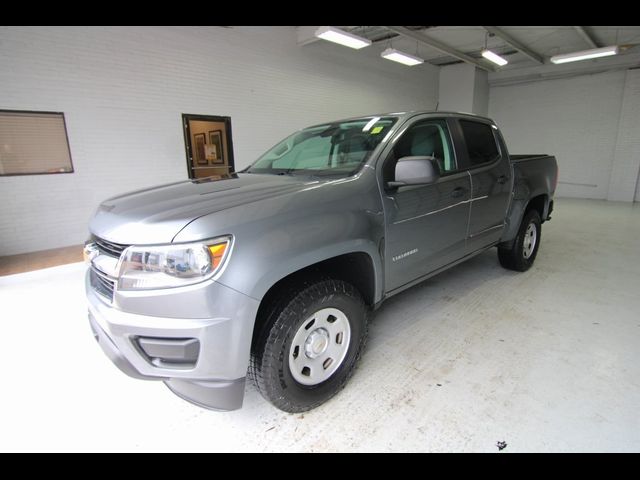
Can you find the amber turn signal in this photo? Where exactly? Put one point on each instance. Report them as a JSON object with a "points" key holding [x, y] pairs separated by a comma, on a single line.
{"points": [[217, 253]]}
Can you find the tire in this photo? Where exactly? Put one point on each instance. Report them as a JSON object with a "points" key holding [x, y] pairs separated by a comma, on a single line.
{"points": [[524, 249], [300, 357]]}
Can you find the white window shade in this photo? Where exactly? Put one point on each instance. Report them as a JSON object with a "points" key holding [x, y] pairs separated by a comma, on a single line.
{"points": [[33, 143]]}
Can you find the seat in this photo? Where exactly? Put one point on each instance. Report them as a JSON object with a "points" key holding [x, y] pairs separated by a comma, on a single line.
{"points": [[353, 150], [426, 142], [423, 141]]}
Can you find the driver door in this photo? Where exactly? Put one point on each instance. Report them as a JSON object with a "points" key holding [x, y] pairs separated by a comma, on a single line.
{"points": [[426, 224]]}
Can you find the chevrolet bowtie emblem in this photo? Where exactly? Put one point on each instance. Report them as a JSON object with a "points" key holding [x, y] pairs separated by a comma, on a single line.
{"points": [[90, 252]]}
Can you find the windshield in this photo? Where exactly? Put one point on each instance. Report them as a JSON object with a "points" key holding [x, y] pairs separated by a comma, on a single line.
{"points": [[332, 149]]}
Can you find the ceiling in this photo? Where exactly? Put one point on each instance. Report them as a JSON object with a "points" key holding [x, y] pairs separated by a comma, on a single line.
{"points": [[546, 41], [541, 43]]}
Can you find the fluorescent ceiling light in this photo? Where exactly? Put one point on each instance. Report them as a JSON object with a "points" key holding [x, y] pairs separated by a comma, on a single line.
{"points": [[401, 57], [343, 38], [585, 54], [494, 57]]}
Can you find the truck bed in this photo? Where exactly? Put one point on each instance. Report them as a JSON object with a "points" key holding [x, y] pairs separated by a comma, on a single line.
{"points": [[536, 177]]}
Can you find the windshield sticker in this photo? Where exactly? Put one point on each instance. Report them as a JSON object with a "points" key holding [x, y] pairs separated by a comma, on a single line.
{"points": [[376, 130]]}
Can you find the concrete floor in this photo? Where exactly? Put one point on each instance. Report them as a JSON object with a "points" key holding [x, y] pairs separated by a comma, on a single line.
{"points": [[544, 361]]}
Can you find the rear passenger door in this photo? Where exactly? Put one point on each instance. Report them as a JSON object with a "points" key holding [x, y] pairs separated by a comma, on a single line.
{"points": [[491, 180]]}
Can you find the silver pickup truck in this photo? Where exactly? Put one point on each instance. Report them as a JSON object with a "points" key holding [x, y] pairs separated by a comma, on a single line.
{"points": [[272, 272]]}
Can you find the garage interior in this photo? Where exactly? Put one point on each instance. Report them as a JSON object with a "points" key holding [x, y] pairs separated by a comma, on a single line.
{"points": [[475, 359]]}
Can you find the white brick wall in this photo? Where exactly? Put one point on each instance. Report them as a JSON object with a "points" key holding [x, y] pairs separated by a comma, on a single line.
{"points": [[626, 159], [123, 90], [481, 93], [463, 88], [457, 83], [589, 122]]}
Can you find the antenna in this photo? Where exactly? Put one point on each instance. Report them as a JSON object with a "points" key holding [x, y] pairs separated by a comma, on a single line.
{"points": [[437, 105]]}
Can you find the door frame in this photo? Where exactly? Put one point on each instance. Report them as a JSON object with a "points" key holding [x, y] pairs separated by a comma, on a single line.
{"points": [[386, 195], [501, 161], [186, 117]]}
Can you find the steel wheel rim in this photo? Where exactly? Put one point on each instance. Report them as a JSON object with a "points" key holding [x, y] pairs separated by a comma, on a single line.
{"points": [[530, 239], [319, 346]]}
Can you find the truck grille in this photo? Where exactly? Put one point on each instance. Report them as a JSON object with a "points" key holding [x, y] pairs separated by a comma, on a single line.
{"points": [[102, 284], [109, 248]]}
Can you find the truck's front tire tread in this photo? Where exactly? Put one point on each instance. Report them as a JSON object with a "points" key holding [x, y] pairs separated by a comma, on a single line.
{"points": [[268, 366]]}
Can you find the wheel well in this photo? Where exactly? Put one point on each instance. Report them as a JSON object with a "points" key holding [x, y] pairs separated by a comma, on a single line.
{"points": [[537, 203], [355, 268]]}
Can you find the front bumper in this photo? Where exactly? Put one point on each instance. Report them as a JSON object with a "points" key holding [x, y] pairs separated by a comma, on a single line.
{"points": [[215, 375]]}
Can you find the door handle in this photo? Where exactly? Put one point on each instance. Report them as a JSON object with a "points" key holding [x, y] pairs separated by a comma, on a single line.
{"points": [[502, 179], [457, 192]]}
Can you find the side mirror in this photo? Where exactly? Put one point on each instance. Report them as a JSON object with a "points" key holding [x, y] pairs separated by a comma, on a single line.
{"points": [[416, 171]]}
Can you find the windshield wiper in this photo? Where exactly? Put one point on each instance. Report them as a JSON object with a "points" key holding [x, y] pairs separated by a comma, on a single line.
{"points": [[330, 174]]}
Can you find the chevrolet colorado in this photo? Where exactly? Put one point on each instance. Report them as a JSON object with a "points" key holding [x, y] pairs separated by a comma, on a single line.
{"points": [[272, 272]]}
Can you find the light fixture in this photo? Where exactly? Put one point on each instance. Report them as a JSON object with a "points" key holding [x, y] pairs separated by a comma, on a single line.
{"points": [[494, 57], [401, 57], [347, 39], [585, 54]]}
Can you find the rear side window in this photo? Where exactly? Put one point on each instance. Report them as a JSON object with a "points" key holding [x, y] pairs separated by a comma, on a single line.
{"points": [[481, 144]]}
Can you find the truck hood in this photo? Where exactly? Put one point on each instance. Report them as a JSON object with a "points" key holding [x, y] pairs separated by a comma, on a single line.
{"points": [[156, 215]]}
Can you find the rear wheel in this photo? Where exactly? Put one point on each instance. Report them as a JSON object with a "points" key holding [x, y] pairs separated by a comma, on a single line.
{"points": [[524, 249], [309, 344]]}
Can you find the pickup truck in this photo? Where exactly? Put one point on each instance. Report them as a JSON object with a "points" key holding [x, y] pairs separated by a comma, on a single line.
{"points": [[272, 272]]}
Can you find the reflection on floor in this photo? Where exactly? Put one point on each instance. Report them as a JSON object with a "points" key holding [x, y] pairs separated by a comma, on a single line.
{"points": [[27, 262]]}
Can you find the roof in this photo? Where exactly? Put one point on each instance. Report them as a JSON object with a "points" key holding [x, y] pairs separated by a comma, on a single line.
{"points": [[405, 116]]}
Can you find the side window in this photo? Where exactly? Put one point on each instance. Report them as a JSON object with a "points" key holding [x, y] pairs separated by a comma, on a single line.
{"points": [[424, 138], [481, 144]]}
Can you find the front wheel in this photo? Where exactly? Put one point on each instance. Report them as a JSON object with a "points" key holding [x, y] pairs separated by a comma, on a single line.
{"points": [[309, 345], [524, 249]]}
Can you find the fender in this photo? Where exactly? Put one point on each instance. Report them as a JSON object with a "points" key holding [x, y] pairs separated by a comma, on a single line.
{"points": [[307, 259]]}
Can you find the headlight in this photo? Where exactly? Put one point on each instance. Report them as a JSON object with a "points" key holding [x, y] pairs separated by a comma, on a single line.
{"points": [[166, 266]]}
